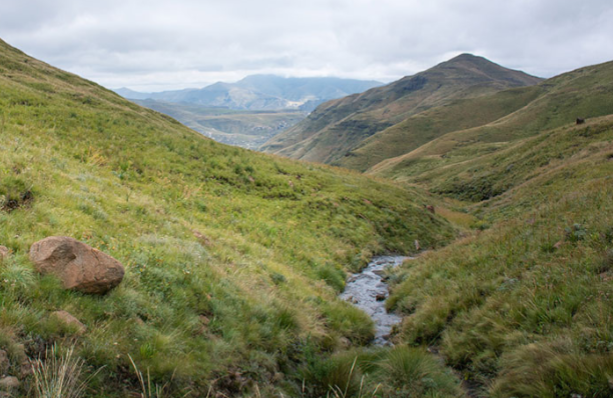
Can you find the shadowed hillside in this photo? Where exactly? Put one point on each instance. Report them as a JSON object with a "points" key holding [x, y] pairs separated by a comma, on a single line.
{"points": [[558, 101], [339, 126]]}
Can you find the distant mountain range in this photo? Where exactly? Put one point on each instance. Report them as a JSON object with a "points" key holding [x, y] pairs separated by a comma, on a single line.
{"points": [[337, 127], [261, 92]]}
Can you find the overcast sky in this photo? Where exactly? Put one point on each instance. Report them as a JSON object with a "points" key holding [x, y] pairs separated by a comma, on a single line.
{"points": [[155, 45]]}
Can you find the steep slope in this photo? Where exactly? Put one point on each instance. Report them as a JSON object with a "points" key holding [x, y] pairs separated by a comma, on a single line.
{"points": [[262, 92], [523, 306], [336, 127], [585, 92], [233, 259], [426, 126]]}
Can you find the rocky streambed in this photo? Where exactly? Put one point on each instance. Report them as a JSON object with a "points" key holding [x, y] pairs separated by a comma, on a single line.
{"points": [[368, 291]]}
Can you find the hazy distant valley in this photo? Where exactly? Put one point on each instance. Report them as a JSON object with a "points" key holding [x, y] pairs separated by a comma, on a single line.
{"points": [[251, 111]]}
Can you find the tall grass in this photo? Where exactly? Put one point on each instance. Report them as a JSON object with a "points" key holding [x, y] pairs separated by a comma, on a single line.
{"points": [[148, 389], [59, 375]]}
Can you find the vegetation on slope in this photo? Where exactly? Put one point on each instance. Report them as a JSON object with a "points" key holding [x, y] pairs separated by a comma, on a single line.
{"points": [[525, 308], [233, 259], [585, 92], [339, 126], [426, 126]]}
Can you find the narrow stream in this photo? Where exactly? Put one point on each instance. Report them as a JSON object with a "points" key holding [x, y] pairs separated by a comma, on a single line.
{"points": [[368, 291]]}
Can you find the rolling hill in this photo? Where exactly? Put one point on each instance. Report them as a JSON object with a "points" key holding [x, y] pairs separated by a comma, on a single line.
{"points": [[233, 259], [585, 92], [338, 126]]}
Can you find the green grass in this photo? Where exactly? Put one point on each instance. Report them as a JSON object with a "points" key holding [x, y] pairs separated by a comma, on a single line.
{"points": [[554, 103], [522, 306], [380, 373], [233, 259], [428, 125]]}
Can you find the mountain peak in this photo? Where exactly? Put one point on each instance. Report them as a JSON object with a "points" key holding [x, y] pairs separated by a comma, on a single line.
{"points": [[466, 57]]}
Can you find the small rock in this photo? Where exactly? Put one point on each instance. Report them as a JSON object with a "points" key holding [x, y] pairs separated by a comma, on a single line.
{"points": [[558, 244], [4, 252], [204, 240], [79, 266], [430, 208], [25, 369], [204, 320], [380, 297], [66, 318], [344, 342], [4, 362], [9, 383]]}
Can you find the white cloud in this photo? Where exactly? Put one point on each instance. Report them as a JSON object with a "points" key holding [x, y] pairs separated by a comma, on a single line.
{"points": [[158, 44]]}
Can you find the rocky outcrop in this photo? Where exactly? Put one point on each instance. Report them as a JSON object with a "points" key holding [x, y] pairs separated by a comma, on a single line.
{"points": [[79, 266], [67, 319]]}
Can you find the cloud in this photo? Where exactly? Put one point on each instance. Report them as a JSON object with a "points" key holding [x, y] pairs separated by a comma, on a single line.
{"points": [[154, 44]]}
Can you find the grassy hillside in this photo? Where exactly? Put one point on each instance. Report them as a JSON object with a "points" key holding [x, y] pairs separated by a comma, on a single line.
{"points": [[339, 126], [523, 306], [426, 126], [233, 259], [585, 92], [247, 129]]}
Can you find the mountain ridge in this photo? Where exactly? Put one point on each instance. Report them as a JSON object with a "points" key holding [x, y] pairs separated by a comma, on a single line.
{"points": [[338, 126], [261, 92]]}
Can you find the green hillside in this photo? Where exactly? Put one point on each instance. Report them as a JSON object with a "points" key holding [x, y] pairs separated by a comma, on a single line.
{"points": [[585, 92], [523, 306], [338, 126], [426, 126], [233, 259]]}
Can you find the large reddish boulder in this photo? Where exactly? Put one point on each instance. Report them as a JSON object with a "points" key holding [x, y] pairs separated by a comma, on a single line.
{"points": [[79, 266]]}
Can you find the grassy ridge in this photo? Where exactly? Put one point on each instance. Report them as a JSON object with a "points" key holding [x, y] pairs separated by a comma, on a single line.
{"points": [[585, 92], [524, 307], [426, 126], [233, 259], [339, 126]]}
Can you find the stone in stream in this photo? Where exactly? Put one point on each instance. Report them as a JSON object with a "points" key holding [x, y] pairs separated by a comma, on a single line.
{"points": [[368, 291]]}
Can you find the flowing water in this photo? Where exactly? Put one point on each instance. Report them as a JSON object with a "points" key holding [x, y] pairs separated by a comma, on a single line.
{"points": [[368, 291]]}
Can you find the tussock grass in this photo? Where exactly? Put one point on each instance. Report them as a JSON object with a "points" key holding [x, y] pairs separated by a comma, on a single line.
{"points": [[522, 307], [383, 372], [60, 375]]}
